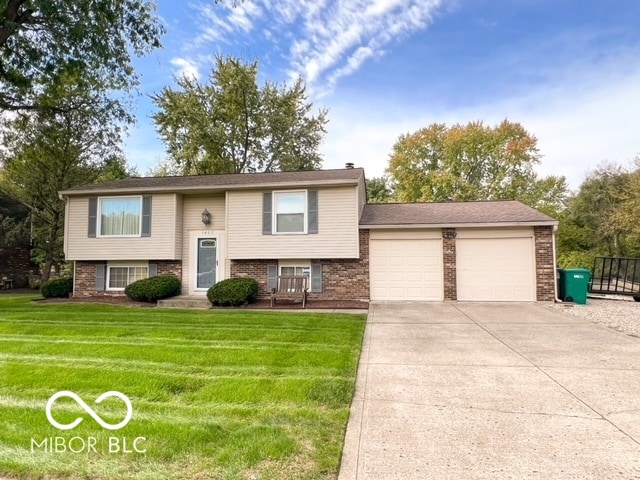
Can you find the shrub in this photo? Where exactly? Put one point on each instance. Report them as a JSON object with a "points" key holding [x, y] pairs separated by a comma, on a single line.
{"points": [[233, 291], [153, 289], [57, 288]]}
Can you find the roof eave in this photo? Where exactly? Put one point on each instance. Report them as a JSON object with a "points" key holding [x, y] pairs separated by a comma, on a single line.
{"points": [[541, 223], [212, 188]]}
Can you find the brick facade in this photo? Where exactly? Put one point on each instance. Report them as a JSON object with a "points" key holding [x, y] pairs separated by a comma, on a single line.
{"points": [[85, 276], [342, 279], [545, 267], [169, 267], [449, 264], [15, 263], [256, 269], [85, 280]]}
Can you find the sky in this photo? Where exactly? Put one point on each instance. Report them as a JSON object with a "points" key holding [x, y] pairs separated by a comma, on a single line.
{"points": [[567, 70]]}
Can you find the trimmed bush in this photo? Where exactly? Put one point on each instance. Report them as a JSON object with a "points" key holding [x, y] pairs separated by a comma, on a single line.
{"points": [[57, 288], [153, 289], [233, 291]]}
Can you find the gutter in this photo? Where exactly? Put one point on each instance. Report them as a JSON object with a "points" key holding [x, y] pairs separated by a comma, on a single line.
{"points": [[526, 223], [555, 275]]}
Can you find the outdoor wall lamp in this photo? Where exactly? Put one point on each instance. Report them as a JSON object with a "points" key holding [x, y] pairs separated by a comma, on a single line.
{"points": [[206, 217], [449, 234]]}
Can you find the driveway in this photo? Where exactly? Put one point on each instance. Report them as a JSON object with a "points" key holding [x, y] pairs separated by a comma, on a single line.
{"points": [[462, 390]]}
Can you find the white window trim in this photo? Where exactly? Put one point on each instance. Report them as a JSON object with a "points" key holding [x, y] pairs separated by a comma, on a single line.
{"points": [[294, 265], [108, 276], [99, 217], [305, 222]]}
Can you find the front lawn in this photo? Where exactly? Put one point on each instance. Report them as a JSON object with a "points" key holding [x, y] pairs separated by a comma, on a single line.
{"points": [[215, 394]]}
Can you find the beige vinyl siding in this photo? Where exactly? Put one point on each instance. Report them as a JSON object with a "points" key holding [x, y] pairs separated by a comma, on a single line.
{"points": [[337, 235], [192, 208], [159, 246], [178, 235]]}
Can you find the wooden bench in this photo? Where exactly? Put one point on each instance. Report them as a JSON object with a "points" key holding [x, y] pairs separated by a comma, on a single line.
{"points": [[292, 287]]}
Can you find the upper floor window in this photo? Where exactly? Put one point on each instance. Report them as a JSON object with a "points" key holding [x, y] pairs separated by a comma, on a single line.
{"points": [[290, 212], [120, 217]]}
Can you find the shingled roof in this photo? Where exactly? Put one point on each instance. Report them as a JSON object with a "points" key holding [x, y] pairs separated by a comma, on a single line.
{"points": [[346, 176], [452, 213]]}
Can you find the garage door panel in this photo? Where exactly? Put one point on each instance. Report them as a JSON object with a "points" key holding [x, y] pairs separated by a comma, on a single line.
{"points": [[405, 269], [495, 269]]}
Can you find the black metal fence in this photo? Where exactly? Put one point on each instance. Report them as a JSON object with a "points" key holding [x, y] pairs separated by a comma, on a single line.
{"points": [[616, 275]]}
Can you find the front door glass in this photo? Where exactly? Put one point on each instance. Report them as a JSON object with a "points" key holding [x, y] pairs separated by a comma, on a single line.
{"points": [[207, 248]]}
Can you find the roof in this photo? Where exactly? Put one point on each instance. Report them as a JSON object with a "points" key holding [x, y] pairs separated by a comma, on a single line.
{"points": [[452, 213], [344, 176]]}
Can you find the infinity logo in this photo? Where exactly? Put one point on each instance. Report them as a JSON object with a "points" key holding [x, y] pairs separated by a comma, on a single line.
{"points": [[89, 410]]}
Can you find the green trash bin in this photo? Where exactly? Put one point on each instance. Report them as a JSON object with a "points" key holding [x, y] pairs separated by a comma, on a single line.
{"points": [[573, 284]]}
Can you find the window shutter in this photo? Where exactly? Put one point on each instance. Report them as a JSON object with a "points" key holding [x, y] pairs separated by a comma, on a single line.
{"points": [[101, 277], [146, 216], [312, 211], [316, 278], [153, 270], [267, 213], [272, 277], [93, 216]]}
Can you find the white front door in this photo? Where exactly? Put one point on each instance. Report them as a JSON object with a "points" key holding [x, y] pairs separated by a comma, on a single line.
{"points": [[206, 262]]}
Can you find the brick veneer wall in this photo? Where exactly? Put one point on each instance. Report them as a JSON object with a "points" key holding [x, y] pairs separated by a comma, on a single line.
{"points": [[85, 276], [85, 280], [256, 269], [449, 264], [15, 263], [169, 267], [342, 279], [545, 266]]}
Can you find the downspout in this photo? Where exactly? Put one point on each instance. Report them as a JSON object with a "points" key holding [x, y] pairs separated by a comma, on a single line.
{"points": [[555, 274]]}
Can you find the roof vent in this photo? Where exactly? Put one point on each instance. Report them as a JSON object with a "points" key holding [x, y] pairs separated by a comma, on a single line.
{"points": [[348, 165]]}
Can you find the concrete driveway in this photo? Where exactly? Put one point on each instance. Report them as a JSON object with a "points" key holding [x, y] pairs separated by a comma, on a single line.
{"points": [[496, 391]]}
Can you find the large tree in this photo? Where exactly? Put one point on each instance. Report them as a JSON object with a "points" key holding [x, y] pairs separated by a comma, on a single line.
{"points": [[473, 162], [49, 150], [233, 125], [42, 41], [379, 190]]}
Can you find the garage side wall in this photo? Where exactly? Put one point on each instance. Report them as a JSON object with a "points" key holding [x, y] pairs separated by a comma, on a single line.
{"points": [[545, 264]]}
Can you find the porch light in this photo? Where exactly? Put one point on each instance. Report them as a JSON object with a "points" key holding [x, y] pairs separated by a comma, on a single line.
{"points": [[449, 234], [206, 217]]}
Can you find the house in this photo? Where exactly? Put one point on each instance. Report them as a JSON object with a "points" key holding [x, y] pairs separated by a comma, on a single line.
{"points": [[317, 223]]}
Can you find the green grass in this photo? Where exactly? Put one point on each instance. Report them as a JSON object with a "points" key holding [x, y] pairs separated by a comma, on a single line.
{"points": [[217, 394]]}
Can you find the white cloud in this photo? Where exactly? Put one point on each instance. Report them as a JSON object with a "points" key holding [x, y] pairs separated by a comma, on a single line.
{"points": [[581, 120], [330, 39], [186, 68]]}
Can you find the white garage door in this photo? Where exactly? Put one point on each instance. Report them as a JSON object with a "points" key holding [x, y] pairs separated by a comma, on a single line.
{"points": [[495, 269], [406, 269]]}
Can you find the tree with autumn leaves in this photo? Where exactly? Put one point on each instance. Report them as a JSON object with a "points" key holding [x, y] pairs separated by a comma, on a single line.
{"points": [[473, 162]]}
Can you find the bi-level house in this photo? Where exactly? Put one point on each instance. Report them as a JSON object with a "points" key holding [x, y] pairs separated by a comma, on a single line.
{"points": [[207, 228]]}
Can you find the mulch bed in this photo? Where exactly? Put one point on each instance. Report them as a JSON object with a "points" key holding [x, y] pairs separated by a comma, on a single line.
{"points": [[311, 304]]}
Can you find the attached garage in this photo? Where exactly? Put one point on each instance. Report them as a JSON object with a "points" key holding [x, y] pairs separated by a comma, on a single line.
{"points": [[496, 265], [405, 266], [466, 251]]}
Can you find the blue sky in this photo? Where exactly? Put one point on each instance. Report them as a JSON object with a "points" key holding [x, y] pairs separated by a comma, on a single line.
{"points": [[568, 70]]}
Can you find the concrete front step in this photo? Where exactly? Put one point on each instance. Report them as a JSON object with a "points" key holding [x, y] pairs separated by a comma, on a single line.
{"points": [[184, 301]]}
